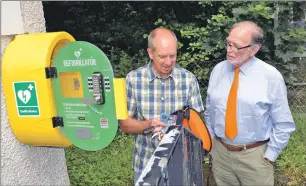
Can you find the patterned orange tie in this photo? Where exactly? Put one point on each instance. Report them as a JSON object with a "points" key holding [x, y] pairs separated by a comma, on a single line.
{"points": [[231, 128]]}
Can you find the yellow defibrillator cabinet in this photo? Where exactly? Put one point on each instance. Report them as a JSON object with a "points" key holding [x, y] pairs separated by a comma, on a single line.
{"points": [[60, 92]]}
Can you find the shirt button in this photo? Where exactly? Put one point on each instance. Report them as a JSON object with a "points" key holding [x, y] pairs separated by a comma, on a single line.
{"points": [[162, 98]]}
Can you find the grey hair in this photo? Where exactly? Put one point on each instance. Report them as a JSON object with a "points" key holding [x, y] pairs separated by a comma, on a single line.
{"points": [[154, 33], [257, 35]]}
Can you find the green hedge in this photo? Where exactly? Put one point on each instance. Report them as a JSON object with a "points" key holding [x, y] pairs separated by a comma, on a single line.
{"points": [[110, 166]]}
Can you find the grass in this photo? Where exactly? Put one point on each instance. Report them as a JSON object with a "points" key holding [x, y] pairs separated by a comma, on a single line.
{"points": [[291, 165], [113, 165]]}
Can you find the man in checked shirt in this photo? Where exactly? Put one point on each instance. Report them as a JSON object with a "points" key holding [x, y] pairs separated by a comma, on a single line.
{"points": [[158, 87]]}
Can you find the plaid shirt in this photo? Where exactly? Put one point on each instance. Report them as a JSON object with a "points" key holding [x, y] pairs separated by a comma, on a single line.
{"points": [[149, 96]]}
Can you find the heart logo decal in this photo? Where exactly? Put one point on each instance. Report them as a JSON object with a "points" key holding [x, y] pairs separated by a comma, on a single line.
{"points": [[77, 53], [24, 96]]}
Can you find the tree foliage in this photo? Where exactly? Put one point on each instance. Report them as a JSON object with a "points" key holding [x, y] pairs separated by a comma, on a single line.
{"points": [[203, 41], [120, 30]]}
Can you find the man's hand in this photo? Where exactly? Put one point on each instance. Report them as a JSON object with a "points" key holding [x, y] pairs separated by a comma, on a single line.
{"points": [[269, 161], [158, 125]]}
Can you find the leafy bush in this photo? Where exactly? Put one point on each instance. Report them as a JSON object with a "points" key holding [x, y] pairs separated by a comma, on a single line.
{"points": [[109, 166], [202, 40]]}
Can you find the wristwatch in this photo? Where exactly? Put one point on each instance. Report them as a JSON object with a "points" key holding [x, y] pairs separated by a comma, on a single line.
{"points": [[269, 161]]}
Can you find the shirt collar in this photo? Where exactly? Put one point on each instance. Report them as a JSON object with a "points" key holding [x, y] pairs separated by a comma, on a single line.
{"points": [[244, 68], [152, 75]]}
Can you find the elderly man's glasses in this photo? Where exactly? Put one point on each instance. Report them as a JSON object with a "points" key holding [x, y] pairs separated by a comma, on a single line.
{"points": [[235, 47]]}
